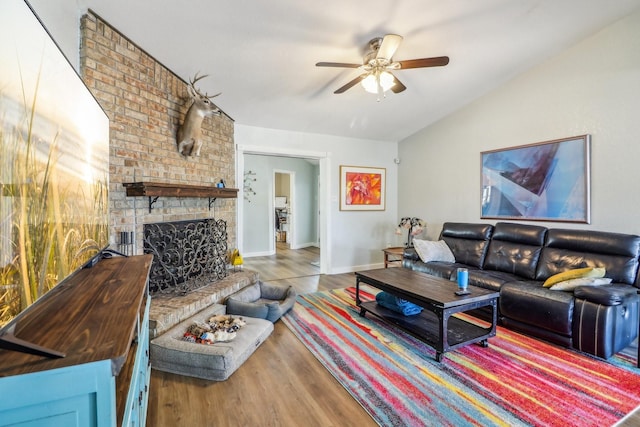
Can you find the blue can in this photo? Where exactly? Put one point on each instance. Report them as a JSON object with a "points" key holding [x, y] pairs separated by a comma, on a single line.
{"points": [[463, 278]]}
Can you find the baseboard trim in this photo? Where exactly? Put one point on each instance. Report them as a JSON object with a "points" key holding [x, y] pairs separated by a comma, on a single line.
{"points": [[304, 245], [254, 254], [351, 269]]}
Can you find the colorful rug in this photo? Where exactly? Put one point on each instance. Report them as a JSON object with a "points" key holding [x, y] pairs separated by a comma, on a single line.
{"points": [[516, 381]]}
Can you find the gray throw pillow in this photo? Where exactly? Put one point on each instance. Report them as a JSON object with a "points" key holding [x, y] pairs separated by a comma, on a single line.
{"points": [[429, 250]]}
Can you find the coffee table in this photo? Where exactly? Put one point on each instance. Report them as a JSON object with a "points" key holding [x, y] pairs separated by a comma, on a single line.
{"points": [[435, 325]]}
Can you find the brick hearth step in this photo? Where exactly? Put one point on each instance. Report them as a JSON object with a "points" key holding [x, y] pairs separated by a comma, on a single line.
{"points": [[167, 310]]}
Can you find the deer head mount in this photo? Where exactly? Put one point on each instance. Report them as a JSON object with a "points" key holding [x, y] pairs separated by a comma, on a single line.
{"points": [[188, 137]]}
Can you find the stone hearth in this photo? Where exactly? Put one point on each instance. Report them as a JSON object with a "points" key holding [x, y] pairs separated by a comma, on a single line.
{"points": [[168, 310]]}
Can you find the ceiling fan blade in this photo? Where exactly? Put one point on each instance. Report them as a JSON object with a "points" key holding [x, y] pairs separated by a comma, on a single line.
{"points": [[397, 85], [351, 84], [337, 64], [389, 45], [438, 61]]}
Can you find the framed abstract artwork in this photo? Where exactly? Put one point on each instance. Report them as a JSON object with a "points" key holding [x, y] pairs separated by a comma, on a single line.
{"points": [[362, 188], [546, 181]]}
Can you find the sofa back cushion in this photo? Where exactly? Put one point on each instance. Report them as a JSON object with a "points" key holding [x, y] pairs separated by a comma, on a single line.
{"points": [[515, 249], [571, 249], [468, 242]]}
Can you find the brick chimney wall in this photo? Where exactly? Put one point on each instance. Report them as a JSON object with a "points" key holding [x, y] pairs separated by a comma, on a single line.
{"points": [[145, 103]]}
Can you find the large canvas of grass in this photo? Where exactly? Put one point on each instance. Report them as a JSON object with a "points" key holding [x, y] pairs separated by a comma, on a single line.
{"points": [[54, 159]]}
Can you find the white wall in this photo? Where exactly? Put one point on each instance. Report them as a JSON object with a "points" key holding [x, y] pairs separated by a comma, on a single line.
{"points": [[592, 88], [354, 240]]}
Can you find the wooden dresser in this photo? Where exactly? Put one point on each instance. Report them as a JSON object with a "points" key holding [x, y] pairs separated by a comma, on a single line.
{"points": [[99, 318]]}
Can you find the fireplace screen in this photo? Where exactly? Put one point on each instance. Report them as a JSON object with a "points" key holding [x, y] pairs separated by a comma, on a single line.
{"points": [[186, 254]]}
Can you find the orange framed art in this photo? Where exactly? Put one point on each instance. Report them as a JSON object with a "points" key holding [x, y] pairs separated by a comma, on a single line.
{"points": [[362, 188]]}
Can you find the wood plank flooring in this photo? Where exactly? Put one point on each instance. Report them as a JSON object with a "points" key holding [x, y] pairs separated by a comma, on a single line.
{"points": [[281, 384]]}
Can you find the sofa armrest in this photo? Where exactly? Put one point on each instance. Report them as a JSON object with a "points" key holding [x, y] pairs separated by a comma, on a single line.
{"points": [[411, 254], [615, 294]]}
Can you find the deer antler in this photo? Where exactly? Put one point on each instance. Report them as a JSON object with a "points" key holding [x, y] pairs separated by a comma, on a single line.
{"points": [[196, 78], [192, 83]]}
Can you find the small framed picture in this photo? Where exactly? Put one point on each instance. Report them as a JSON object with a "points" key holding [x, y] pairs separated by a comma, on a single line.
{"points": [[362, 188]]}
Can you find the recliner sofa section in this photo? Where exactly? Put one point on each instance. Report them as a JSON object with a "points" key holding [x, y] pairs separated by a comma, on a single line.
{"points": [[516, 259]]}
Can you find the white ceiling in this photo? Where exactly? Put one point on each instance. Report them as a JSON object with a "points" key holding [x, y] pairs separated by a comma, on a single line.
{"points": [[261, 54]]}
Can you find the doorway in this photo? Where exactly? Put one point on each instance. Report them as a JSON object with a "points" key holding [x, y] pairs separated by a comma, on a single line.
{"points": [[284, 203], [321, 216]]}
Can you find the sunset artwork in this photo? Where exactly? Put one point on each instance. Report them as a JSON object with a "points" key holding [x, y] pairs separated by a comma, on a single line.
{"points": [[362, 188]]}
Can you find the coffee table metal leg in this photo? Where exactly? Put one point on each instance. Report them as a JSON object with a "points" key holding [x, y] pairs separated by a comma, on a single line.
{"points": [[443, 327], [358, 301]]}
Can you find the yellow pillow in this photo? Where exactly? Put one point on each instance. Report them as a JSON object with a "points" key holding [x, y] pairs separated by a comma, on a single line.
{"points": [[574, 274]]}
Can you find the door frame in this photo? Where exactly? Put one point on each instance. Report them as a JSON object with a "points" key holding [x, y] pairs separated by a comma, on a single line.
{"points": [[324, 160]]}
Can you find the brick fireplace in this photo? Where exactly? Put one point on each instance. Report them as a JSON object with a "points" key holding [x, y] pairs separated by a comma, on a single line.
{"points": [[145, 102]]}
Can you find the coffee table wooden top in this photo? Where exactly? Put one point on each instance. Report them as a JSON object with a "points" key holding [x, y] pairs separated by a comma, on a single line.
{"points": [[422, 287]]}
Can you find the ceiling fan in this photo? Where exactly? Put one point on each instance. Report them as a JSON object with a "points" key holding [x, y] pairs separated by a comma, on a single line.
{"points": [[378, 63]]}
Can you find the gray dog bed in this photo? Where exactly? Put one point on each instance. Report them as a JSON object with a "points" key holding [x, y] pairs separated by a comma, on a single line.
{"points": [[262, 300], [170, 353]]}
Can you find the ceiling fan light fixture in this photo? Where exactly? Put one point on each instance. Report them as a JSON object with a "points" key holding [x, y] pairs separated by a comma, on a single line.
{"points": [[374, 81], [370, 83], [386, 80]]}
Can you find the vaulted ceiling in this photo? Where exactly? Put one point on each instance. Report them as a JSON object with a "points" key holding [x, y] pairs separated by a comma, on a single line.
{"points": [[261, 54]]}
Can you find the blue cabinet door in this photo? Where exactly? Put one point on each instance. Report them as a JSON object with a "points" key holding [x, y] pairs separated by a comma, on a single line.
{"points": [[81, 395]]}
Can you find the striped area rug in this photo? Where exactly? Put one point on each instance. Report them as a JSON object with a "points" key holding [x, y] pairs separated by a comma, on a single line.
{"points": [[516, 381]]}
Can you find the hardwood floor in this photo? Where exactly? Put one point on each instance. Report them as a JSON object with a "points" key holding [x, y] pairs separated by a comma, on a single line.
{"points": [[281, 384]]}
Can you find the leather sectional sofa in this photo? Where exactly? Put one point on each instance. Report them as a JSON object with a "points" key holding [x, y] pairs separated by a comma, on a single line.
{"points": [[516, 259]]}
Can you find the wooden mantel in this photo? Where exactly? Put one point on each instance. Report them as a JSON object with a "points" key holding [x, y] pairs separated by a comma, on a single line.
{"points": [[153, 190]]}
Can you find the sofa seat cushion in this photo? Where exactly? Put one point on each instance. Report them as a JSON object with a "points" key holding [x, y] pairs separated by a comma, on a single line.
{"points": [[528, 302], [492, 280]]}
